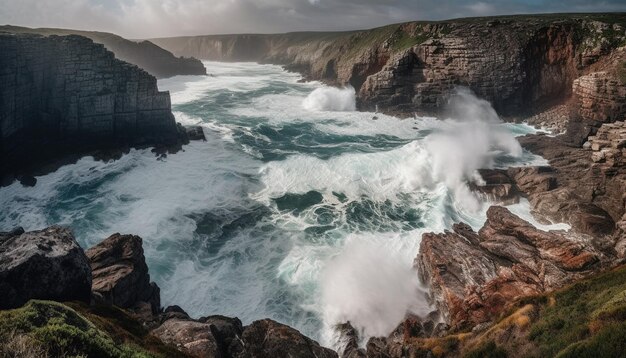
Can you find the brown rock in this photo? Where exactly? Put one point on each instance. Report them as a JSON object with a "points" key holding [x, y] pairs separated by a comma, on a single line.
{"points": [[120, 273], [269, 339], [507, 259], [192, 337]]}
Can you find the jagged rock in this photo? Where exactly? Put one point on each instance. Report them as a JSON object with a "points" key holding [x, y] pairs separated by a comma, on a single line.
{"points": [[192, 337], [227, 331], [46, 264], [120, 273], [506, 259], [269, 339], [348, 342], [574, 190], [497, 187], [195, 133]]}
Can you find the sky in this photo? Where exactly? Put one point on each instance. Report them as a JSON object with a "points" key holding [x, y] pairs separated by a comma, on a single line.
{"points": [[160, 18]]}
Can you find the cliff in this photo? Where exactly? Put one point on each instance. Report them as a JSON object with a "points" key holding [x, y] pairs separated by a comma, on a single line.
{"points": [[67, 95], [150, 57], [524, 65]]}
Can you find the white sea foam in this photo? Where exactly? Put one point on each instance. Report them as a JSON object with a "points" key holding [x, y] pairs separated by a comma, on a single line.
{"points": [[331, 99]]}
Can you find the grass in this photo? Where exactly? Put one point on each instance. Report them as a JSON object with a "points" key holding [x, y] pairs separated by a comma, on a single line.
{"points": [[587, 319], [583, 313], [51, 329]]}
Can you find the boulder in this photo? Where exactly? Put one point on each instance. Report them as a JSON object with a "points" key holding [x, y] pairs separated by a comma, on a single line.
{"points": [[120, 273], [192, 337], [270, 339], [46, 264]]}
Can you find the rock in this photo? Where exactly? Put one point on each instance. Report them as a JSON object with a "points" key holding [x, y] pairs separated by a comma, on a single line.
{"points": [[269, 339], [9, 234], [195, 133], [46, 264], [508, 258], [120, 273], [28, 180], [348, 342], [497, 187], [70, 97], [227, 331], [192, 337]]}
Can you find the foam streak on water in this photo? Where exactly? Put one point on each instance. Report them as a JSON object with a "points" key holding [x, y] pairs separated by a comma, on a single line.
{"points": [[296, 208]]}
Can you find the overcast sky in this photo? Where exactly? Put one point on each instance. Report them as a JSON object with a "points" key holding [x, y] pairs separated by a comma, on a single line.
{"points": [[155, 18]]}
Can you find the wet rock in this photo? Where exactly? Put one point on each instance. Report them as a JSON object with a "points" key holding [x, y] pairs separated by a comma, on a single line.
{"points": [[497, 186], [269, 339], [195, 133], [348, 341], [46, 264], [506, 259], [120, 273]]}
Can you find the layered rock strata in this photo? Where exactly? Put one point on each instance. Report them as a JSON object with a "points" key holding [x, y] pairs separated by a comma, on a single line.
{"points": [[150, 57], [120, 274], [523, 65], [67, 95], [508, 258]]}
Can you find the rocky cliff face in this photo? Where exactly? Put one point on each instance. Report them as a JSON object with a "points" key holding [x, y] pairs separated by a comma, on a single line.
{"points": [[62, 95], [524, 65], [150, 57]]}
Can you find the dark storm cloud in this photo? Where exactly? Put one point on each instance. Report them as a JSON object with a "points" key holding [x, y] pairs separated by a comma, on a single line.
{"points": [[148, 18]]}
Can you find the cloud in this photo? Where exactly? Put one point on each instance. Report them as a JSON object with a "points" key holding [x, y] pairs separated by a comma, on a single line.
{"points": [[152, 18]]}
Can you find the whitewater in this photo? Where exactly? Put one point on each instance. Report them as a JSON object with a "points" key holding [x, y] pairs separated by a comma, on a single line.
{"points": [[297, 207]]}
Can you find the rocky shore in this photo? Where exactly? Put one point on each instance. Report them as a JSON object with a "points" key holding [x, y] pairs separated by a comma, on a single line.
{"points": [[48, 265]]}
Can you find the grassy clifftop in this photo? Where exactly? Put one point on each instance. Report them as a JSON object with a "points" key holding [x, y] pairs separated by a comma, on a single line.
{"points": [[587, 319], [51, 329]]}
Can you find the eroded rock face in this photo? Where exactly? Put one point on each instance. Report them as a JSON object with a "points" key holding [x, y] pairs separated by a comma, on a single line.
{"points": [[576, 190], [67, 96], [120, 273], [46, 264], [268, 339], [473, 276], [192, 337]]}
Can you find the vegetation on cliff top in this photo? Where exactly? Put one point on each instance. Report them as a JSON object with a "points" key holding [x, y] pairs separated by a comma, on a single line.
{"points": [[51, 329], [587, 319]]}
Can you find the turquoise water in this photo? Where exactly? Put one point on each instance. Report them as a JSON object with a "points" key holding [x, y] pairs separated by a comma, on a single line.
{"points": [[296, 207]]}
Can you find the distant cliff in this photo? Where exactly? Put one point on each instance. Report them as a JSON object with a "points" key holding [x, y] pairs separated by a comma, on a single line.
{"points": [[524, 65], [157, 61], [67, 95]]}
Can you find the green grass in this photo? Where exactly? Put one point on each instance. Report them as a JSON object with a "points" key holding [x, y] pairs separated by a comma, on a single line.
{"points": [[583, 317], [489, 350], [58, 330]]}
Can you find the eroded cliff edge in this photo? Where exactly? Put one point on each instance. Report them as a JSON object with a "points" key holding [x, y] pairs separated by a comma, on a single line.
{"points": [[65, 95], [150, 57], [551, 68]]}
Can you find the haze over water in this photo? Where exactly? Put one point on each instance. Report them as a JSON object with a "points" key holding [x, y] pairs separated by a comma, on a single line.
{"points": [[296, 208]]}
